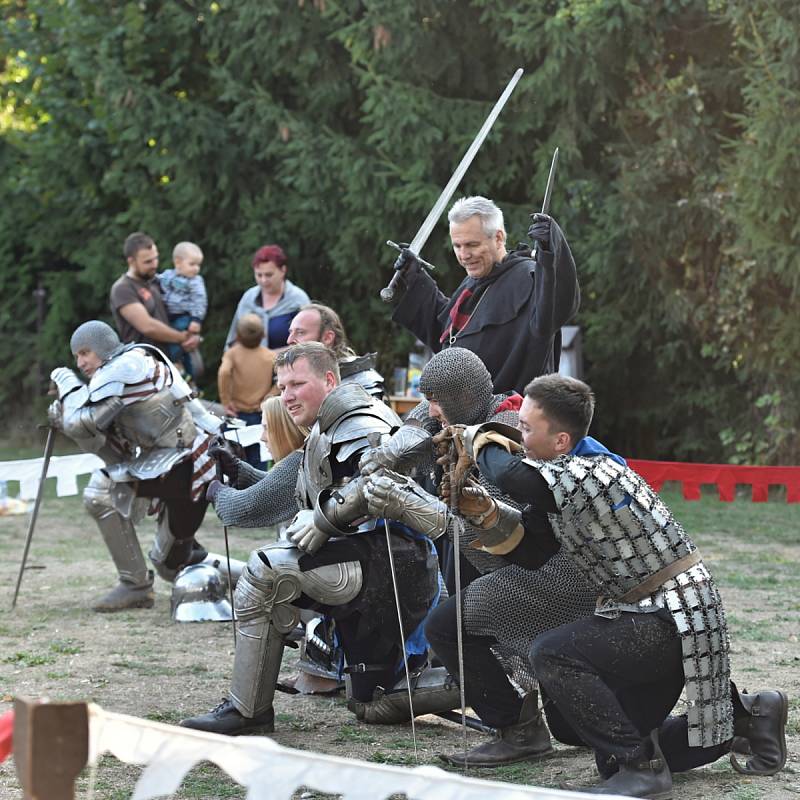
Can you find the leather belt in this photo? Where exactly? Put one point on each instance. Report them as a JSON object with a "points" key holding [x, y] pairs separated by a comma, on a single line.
{"points": [[655, 581]]}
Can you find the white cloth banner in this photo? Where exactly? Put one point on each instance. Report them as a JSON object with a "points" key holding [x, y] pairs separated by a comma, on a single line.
{"points": [[272, 772], [66, 469]]}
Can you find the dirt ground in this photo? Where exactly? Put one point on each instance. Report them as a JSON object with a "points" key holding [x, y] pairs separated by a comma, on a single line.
{"points": [[141, 663]]}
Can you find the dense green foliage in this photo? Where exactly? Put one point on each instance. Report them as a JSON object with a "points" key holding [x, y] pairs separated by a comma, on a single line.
{"points": [[330, 126]]}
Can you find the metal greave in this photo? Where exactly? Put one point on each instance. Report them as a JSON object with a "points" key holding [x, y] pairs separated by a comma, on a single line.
{"points": [[118, 532], [264, 614], [256, 666]]}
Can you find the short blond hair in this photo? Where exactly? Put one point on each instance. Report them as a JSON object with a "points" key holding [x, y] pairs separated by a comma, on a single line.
{"points": [[250, 330], [321, 359], [186, 249], [285, 436]]}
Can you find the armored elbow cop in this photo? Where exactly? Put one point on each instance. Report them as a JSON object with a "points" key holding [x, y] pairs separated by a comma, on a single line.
{"points": [[82, 421], [338, 507]]}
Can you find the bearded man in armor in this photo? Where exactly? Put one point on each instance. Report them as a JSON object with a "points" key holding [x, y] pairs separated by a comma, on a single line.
{"points": [[516, 591], [659, 626], [138, 415], [335, 559]]}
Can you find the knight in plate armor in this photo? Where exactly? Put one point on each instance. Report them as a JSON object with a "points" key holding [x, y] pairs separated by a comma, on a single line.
{"points": [[514, 592], [335, 559], [659, 625], [137, 413], [256, 499]]}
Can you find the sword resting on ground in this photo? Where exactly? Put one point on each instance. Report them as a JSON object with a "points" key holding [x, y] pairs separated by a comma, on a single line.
{"points": [[418, 242], [221, 479], [48, 452]]}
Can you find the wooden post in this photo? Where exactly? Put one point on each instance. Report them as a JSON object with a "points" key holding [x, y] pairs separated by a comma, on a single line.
{"points": [[51, 747]]}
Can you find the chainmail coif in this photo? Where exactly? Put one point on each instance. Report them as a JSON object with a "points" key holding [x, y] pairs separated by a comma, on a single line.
{"points": [[98, 337], [460, 383]]}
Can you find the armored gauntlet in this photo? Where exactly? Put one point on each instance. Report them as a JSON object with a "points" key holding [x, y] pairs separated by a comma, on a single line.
{"points": [[397, 497], [409, 445]]}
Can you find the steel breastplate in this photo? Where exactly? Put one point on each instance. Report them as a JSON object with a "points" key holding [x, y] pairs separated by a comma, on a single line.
{"points": [[157, 421], [347, 417]]}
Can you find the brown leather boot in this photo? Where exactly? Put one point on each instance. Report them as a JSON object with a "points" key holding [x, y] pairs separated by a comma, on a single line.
{"points": [[646, 775], [526, 740], [764, 728]]}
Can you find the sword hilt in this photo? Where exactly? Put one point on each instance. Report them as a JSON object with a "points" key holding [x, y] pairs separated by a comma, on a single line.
{"points": [[388, 292]]}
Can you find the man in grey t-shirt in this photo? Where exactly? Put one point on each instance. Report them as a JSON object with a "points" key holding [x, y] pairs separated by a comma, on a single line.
{"points": [[136, 303]]}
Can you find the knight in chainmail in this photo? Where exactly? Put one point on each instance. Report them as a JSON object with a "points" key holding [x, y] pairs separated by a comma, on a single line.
{"points": [[137, 413], [659, 625], [516, 594], [336, 559]]}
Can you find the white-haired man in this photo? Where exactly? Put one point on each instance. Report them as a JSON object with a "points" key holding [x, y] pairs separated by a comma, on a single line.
{"points": [[509, 308]]}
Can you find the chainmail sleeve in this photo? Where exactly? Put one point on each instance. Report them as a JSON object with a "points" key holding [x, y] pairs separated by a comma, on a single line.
{"points": [[247, 475], [268, 502]]}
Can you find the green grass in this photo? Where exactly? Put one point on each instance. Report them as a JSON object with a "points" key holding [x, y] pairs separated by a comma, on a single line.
{"points": [[206, 781], [745, 793], [66, 647], [351, 733], [168, 717], [775, 521], [25, 659], [151, 669], [295, 722], [381, 757], [750, 631], [518, 773]]}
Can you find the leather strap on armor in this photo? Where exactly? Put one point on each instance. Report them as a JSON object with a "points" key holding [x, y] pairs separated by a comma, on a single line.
{"points": [[477, 436], [656, 580]]}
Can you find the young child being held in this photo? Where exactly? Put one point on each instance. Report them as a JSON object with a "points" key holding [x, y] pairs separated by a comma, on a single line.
{"points": [[245, 377], [184, 293]]}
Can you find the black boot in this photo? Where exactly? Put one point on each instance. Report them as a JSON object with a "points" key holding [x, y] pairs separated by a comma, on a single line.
{"points": [[762, 722], [528, 739], [198, 553], [646, 775], [227, 719]]}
